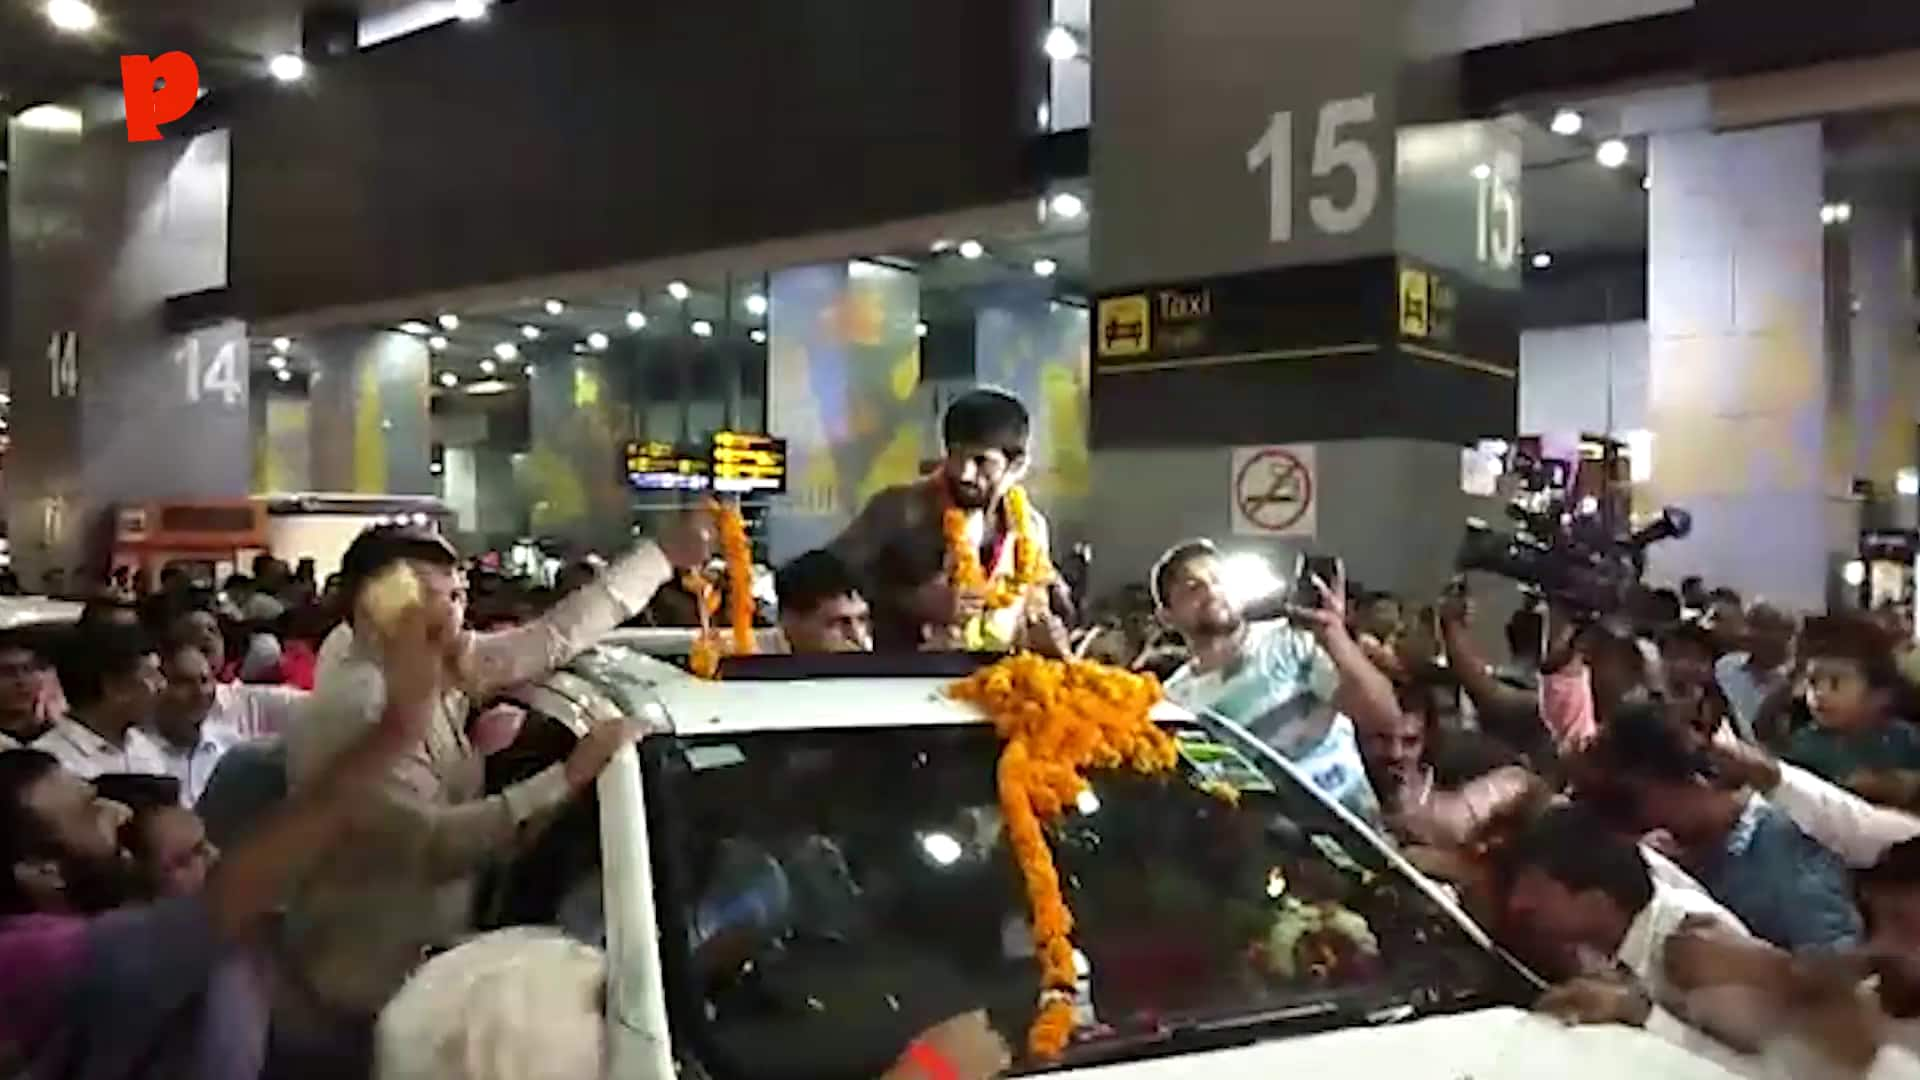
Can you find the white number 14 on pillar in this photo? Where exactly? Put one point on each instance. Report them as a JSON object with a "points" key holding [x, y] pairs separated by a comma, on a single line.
{"points": [[203, 381], [1333, 152]]}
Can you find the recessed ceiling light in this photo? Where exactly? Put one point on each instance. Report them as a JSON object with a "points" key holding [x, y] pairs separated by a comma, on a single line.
{"points": [[283, 375], [507, 350], [579, 347], [756, 304], [287, 68], [971, 249], [1060, 44], [53, 118], [1066, 205], [1611, 154], [598, 341], [941, 245], [530, 332], [757, 336], [702, 328], [437, 343], [1646, 183], [436, 468], [1045, 267], [1567, 122], [282, 344], [448, 378], [920, 329], [555, 307], [73, 16], [470, 9], [1482, 171], [488, 386], [276, 362], [1542, 260], [415, 327], [679, 291], [488, 367], [449, 321], [636, 320]]}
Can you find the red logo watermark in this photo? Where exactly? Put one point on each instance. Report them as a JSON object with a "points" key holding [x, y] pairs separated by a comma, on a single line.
{"points": [[159, 90]]}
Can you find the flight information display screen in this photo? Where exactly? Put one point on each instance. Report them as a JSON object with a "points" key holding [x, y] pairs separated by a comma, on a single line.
{"points": [[730, 463]]}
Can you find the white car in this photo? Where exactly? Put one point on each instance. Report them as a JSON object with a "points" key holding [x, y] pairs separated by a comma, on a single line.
{"points": [[809, 869]]}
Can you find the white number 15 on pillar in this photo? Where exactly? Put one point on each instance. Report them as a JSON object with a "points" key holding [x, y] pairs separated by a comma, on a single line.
{"points": [[1334, 151]]}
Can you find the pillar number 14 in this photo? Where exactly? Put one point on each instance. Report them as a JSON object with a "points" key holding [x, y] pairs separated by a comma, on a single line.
{"points": [[218, 378], [1335, 150]]}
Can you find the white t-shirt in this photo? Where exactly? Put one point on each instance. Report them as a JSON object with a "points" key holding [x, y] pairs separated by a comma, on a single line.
{"points": [[1281, 689], [86, 754]]}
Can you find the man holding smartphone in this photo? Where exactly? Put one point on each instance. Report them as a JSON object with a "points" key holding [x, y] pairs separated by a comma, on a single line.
{"points": [[1300, 684]]}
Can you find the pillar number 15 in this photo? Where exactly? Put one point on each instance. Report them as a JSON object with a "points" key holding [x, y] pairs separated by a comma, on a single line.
{"points": [[1335, 150]]}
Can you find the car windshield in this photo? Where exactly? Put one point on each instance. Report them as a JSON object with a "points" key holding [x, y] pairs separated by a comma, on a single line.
{"points": [[826, 895]]}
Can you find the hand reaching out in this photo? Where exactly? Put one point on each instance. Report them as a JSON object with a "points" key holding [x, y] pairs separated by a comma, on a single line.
{"points": [[496, 729]]}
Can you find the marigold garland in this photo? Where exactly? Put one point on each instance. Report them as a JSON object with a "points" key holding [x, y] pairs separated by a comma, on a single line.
{"points": [[737, 552], [964, 571], [1059, 718]]}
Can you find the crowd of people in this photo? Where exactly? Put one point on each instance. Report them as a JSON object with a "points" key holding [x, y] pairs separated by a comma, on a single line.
{"points": [[244, 833]]}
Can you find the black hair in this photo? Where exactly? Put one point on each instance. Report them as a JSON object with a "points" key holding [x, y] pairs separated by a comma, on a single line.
{"points": [[27, 639], [1525, 631], [24, 835], [137, 791], [383, 545], [987, 417], [1898, 868], [1688, 635], [1664, 605], [1639, 741], [97, 612], [1171, 563], [1861, 640], [97, 655], [1573, 845], [811, 580]]}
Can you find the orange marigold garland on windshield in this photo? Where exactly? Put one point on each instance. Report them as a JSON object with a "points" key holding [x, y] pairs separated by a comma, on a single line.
{"points": [[737, 552], [963, 557], [1059, 718]]}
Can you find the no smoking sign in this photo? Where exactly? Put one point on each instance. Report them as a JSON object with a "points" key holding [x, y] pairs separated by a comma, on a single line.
{"points": [[1273, 491]]}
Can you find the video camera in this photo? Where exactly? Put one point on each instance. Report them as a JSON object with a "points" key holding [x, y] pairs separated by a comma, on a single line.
{"points": [[1571, 554]]}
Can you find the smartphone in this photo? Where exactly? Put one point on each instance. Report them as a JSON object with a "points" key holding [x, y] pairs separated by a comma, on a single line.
{"points": [[1328, 568]]}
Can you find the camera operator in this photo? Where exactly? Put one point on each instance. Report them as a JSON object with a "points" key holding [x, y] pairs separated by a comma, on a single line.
{"points": [[1300, 684], [1520, 717]]}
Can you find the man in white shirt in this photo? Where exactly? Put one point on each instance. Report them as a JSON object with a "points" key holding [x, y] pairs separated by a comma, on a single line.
{"points": [[112, 678], [1749, 678], [1858, 831], [198, 719]]}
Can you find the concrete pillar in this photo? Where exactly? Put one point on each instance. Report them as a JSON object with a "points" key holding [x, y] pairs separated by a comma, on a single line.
{"points": [[371, 432], [110, 404], [1882, 405], [1036, 347], [579, 422], [1737, 360]]}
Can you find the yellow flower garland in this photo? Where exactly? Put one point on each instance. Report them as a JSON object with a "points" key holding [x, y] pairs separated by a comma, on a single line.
{"points": [[964, 571], [1059, 718], [737, 551]]}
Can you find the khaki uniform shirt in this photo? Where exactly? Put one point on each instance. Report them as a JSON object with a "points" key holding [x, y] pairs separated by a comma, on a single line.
{"points": [[403, 884]]}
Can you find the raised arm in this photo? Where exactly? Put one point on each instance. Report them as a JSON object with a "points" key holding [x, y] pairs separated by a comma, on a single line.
{"points": [[1365, 694]]}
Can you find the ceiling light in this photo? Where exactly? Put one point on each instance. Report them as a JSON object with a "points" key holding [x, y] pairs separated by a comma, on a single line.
{"points": [[1567, 122], [597, 341], [579, 347], [1482, 171], [971, 249], [679, 291], [1060, 44], [636, 320], [53, 118], [449, 321], [449, 379], [436, 468], [73, 16], [1646, 183], [555, 307], [507, 350], [1827, 214], [276, 362], [470, 9], [1612, 154], [283, 375], [287, 68], [756, 304], [1066, 205], [488, 367], [1045, 267], [941, 849], [282, 344], [489, 386], [1843, 212], [530, 332], [1542, 260], [437, 343], [920, 329], [757, 335], [702, 328], [415, 327], [941, 245]]}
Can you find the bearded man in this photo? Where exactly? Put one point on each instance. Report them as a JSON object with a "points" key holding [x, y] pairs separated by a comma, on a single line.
{"points": [[998, 589]]}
